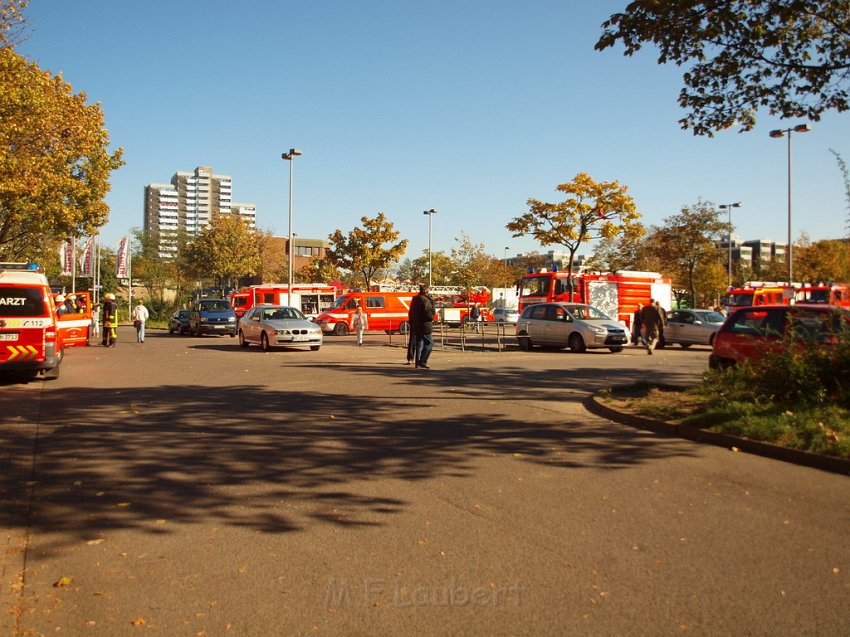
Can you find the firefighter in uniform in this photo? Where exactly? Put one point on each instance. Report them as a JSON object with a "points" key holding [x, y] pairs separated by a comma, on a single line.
{"points": [[110, 320]]}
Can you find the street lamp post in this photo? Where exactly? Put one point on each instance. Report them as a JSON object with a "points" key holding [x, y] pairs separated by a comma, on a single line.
{"points": [[506, 265], [290, 157], [430, 214], [728, 207], [799, 128]]}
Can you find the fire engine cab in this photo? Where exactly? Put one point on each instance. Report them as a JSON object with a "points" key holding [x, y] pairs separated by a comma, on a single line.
{"points": [[29, 337], [310, 298], [618, 295]]}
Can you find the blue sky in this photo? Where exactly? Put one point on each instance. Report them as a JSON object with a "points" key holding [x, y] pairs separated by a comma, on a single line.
{"points": [[468, 107]]}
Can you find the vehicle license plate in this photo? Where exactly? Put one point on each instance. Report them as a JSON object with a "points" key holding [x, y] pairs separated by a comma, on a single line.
{"points": [[9, 336], [300, 339]]}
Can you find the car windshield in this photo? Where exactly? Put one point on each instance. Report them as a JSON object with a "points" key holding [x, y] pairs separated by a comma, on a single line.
{"points": [[587, 313], [215, 306], [740, 300], [281, 314], [341, 301], [710, 317]]}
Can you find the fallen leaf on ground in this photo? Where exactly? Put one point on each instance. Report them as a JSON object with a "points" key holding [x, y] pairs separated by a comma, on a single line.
{"points": [[62, 581]]}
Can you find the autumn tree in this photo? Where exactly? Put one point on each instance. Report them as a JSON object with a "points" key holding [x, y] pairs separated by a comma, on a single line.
{"points": [[224, 251], [364, 249], [822, 261], [320, 271], [621, 252], [685, 249], [55, 161], [591, 211], [412, 270], [471, 262], [789, 56]]}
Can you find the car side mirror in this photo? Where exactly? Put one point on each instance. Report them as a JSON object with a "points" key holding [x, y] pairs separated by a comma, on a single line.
{"points": [[697, 322]]}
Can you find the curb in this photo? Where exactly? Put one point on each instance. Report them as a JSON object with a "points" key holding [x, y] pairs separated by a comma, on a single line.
{"points": [[805, 458]]}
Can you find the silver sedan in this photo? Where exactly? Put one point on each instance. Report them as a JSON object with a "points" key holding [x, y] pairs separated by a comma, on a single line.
{"points": [[278, 325], [691, 327]]}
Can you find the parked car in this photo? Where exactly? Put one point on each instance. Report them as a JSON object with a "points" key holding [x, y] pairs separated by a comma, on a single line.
{"points": [[572, 325], [212, 316], [179, 322], [272, 325], [691, 327], [750, 332], [505, 315]]}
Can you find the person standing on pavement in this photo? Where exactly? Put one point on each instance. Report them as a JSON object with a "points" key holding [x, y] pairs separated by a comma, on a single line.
{"points": [[652, 322], [110, 320], [140, 316], [637, 326], [360, 322], [95, 320], [474, 316], [422, 325]]}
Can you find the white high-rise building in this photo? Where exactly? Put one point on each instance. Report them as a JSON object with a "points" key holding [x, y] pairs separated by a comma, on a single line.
{"points": [[189, 203]]}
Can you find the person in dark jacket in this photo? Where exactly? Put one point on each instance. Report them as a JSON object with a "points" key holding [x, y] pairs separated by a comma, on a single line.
{"points": [[652, 325], [421, 318]]}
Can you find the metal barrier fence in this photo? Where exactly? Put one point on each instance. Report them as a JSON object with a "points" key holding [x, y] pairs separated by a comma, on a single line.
{"points": [[483, 336]]}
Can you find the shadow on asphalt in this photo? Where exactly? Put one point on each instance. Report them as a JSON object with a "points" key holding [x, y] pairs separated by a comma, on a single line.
{"points": [[278, 462]]}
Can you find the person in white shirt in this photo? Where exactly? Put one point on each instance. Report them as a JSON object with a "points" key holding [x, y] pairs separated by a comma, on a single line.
{"points": [[140, 315]]}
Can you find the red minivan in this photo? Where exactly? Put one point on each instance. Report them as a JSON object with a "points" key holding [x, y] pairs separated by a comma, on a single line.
{"points": [[749, 333], [29, 339]]}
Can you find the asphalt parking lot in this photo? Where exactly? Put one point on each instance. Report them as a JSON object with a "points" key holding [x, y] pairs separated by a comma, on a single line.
{"points": [[186, 486]]}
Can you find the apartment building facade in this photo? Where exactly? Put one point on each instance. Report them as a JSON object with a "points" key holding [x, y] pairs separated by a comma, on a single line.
{"points": [[188, 203]]}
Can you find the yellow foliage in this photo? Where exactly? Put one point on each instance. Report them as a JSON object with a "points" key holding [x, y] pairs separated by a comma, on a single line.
{"points": [[54, 159]]}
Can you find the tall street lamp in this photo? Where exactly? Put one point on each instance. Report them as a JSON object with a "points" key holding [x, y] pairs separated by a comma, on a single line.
{"points": [[430, 214], [799, 128], [728, 207], [506, 264], [290, 157]]}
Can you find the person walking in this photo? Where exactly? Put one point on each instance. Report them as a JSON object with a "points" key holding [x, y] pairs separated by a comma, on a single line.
{"points": [[663, 314], [422, 325], [360, 322], [474, 316], [110, 320], [140, 316], [652, 322], [95, 320]]}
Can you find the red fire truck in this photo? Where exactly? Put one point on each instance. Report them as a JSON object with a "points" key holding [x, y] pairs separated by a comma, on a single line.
{"points": [[311, 298], [768, 293], [618, 294], [454, 303]]}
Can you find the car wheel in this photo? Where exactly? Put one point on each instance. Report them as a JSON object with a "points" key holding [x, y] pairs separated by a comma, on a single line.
{"points": [[576, 343], [661, 344], [615, 350], [341, 329], [264, 343], [242, 341], [524, 342], [314, 348], [685, 345], [404, 328], [171, 330]]}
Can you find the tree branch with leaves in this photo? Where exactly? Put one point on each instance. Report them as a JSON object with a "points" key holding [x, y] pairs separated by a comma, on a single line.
{"points": [[791, 57], [591, 211]]}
